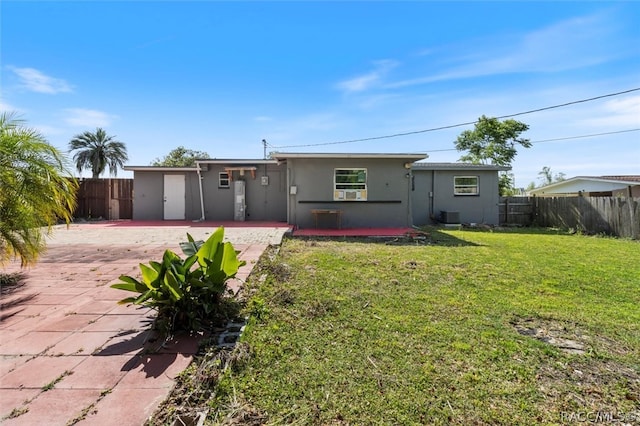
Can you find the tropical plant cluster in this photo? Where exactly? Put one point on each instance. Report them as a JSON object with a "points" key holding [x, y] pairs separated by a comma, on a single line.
{"points": [[186, 292], [36, 190]]}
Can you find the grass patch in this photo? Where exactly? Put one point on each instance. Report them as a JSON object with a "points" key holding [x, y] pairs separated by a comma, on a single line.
{"points": [[515, 327], [55, 381]]}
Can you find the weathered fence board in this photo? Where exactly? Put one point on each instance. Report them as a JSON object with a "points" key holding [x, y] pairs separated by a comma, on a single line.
{"points": [[105, 198], [609, 215], [617, 216], [516, 211]]}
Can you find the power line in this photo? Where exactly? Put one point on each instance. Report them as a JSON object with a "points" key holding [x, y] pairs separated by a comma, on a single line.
{"points": [[556, 139], [433, 129]]}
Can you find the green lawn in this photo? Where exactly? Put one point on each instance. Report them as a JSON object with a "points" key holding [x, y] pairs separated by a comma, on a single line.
{"points": [[471, 328]]}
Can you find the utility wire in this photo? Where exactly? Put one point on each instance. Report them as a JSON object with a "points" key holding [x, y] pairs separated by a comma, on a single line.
{"points": [[555, 139], [433, 129]]}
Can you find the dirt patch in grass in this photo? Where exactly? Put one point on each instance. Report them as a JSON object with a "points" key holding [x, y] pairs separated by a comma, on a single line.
{"points": [[564, 336], [588, 381], [591, 385], [569, 337]]}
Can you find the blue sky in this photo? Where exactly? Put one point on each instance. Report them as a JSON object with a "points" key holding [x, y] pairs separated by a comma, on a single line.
{"points": [[221, 76]]}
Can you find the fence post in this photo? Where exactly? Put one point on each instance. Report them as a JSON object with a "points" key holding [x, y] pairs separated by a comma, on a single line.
{"points": [[635, 224], [506, 210]]}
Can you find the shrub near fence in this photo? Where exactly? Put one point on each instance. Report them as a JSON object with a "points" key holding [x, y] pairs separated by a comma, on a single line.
{"points": [[609, 215]]}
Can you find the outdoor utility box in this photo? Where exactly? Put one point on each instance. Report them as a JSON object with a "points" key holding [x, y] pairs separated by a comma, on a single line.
{"points": [[450, 217]]}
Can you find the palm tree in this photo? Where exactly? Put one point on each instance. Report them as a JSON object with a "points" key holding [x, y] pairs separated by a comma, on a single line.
{"points": [[37, 190], [96, 151]]}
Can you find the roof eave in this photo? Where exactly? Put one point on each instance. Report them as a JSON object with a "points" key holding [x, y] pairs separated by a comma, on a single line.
{"points": [[159, 169], [283, 156]]}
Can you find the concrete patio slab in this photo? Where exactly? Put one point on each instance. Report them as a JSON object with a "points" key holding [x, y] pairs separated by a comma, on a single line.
{"points": [[69, 354]]}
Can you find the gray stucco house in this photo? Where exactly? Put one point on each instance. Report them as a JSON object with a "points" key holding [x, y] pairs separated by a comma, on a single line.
{"points": [[306, 190], [470, 190]]}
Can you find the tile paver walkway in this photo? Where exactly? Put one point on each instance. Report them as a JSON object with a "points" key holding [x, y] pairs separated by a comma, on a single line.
{"points": [[69, 354]]}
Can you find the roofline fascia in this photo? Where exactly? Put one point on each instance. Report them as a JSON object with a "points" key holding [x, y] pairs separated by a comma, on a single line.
{"points": [[159, 169], [408, 156], [232, 161]]}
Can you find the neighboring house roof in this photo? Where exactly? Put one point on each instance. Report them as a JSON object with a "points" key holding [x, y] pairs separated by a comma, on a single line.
{"points": [[623, 178], [587, 184], [281, 156], [458, 166]]}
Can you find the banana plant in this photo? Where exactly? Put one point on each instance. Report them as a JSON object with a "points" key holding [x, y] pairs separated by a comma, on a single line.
{"points": [[185, 291]]}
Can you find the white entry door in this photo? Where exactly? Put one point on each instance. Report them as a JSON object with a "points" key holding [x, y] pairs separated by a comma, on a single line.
{"points": [[174, 197]]}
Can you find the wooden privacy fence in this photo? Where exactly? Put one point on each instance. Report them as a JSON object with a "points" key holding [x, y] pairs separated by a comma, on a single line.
{"points": [[516, 211], [110, 199], [609, 215]]}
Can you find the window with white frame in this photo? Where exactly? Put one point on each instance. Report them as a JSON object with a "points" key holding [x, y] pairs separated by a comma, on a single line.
{"points": [[350, 184], [466, 185], [223, 180]]}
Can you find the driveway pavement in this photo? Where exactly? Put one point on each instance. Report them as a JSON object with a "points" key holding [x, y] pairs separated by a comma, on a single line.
{"points": [[69, 354]]}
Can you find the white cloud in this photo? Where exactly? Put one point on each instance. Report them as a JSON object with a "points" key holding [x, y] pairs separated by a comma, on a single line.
{"points": [[262, 118], [37, 81], [571, 44], [81, 117], [368, 80], [5, 107], [49, 131], [619, 113]]}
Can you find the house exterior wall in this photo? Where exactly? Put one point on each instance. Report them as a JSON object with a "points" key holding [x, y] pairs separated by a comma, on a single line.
{"points": [[433, 192], [148, 195], [396, 196], [387, 203], [263, 202]]}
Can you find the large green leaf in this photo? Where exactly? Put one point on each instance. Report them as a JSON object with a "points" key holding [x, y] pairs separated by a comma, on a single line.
{"points": [[171, 283], [156, 265], [139, 287], [225, 264], [230, 262], [146, 296], [149, 276], [190, 247], [127, 287], [210, 247], [189, 261], [170, 257]]}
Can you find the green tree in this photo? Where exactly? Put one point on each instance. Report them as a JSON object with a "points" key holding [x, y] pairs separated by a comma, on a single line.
{"points": [[493, 142], [96, 150], [180, 157], [547, 177], [37, 190]]}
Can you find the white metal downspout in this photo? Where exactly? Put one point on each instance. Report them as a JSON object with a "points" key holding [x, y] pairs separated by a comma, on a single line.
{"points": [[198, 170], [409, 200]]}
